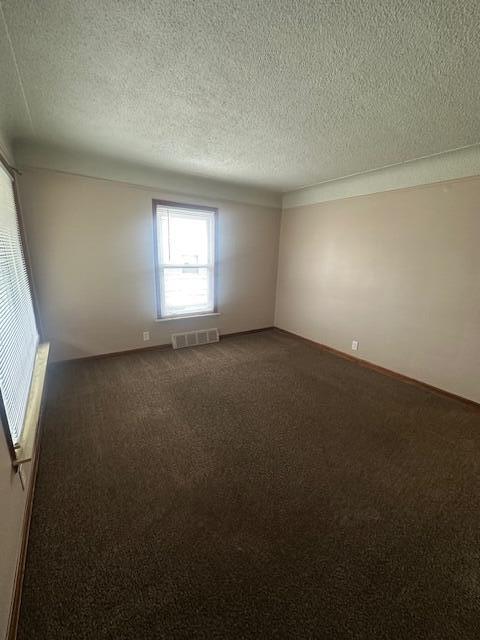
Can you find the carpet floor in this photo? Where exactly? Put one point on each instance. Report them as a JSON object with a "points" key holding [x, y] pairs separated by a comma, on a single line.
{"points": [[256, 488]]}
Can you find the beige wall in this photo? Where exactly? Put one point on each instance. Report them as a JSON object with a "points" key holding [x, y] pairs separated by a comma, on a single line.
{"points": [[91, 245], [12, 510], [398, 271]]}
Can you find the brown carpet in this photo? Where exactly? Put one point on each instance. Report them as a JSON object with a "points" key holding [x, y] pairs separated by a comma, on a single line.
{"points": [[258, 488]]}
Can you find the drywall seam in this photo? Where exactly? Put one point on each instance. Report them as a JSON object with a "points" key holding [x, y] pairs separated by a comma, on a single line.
{"points": [[461, 163]]}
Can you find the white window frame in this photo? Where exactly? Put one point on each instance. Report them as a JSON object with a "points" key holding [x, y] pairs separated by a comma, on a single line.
{"points": [[162, 263]]}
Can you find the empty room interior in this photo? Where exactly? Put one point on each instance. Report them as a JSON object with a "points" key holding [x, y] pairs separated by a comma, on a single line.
{"points": [[239, 319]]}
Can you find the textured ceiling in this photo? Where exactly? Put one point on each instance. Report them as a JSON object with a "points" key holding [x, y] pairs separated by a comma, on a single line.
{"points": [[277, 93]]}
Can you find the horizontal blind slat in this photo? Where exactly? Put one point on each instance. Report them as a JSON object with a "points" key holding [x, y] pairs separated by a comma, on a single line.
{"points": [[18, 330]]}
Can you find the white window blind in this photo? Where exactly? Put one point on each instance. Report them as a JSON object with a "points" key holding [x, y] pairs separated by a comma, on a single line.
{"points": [[185, 260], [18, 330]]}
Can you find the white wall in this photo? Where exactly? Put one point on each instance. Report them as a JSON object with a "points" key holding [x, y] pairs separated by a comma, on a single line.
{"points": [[91, 245], [399, 271]]}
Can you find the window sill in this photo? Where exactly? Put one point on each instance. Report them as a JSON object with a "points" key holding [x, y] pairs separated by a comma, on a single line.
{"points": [[24, 450], [193, 315]]}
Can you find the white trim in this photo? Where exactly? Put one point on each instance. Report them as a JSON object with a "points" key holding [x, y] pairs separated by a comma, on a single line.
{"points": [[25, 448], [161, 182], [192, 315], [164, 214], [460, 163]]}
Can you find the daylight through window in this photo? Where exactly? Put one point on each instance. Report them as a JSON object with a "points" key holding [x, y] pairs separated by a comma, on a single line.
{"points": [[185, 259]]}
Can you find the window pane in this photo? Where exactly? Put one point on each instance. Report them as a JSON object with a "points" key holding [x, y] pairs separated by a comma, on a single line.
{"points": [[185, 238], [185, 260], [187, 290]]}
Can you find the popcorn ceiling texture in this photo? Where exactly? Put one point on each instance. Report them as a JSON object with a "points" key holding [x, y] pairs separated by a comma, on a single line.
{"points": [[280, 94]]}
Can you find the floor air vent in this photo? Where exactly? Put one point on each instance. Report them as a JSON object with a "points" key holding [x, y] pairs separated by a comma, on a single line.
{"points": [[194, 338]]}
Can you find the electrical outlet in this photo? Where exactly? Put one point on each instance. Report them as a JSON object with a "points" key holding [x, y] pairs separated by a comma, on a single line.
{"points": [[146, 336], [354, 345]]}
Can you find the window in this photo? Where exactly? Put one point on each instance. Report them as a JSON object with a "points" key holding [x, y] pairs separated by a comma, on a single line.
{"points": [[185, 259], [18, 330]]}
